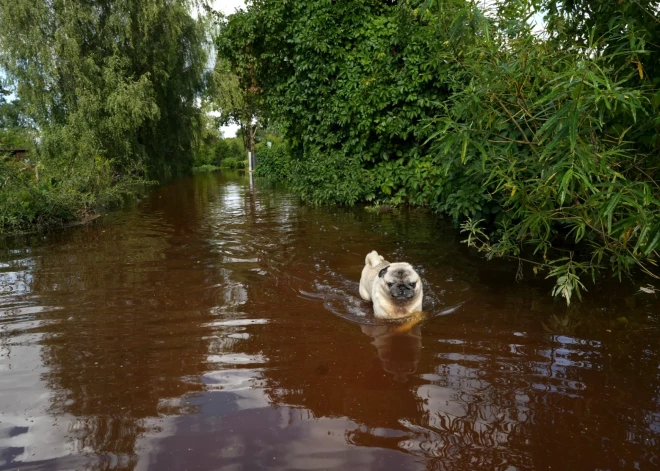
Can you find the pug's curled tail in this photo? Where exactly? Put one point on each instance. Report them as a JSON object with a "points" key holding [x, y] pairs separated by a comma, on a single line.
{"points": [[374, 259]]}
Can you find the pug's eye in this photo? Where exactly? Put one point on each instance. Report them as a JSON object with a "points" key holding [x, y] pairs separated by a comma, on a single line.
{"points": [[413, 284], [389, 285]]}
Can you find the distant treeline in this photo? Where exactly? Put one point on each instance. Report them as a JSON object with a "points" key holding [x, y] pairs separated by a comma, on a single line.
{"points": [[542, 143], [217, 152]]}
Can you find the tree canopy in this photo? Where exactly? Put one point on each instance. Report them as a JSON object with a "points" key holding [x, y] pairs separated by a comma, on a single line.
{"points": [[115, 79], [107, 95], [238, 94]]}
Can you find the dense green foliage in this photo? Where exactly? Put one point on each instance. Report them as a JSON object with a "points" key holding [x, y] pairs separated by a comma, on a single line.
{"points": [[214, 150], [15, 133], [543, 147], [113, 88], [42, 195], [234, 163], [274, 161], [59, 196], [237, 95]]}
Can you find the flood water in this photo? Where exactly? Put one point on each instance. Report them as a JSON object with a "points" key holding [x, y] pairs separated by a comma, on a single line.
{"points": [[217, 326]]}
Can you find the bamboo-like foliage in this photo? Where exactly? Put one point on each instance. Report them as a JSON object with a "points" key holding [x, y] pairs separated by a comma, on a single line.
{"points": [[552, 137]]}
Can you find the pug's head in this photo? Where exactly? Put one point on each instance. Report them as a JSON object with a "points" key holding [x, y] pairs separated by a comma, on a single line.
{"points": [[400, 282]]}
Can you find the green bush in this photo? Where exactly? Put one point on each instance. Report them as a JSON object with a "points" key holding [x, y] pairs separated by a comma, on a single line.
{"points": [[213, 151], [543, 134], [273, 162], [233, 163], [329, 178], [543, 149], [204, 156], [319, 179], [38, 196]]}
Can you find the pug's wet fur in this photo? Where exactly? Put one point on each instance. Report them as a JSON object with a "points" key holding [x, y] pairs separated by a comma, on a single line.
{"points": [[395, 289]]}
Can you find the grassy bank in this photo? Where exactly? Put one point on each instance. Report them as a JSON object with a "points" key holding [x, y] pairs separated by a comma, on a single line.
{"points": [[39, 195]]}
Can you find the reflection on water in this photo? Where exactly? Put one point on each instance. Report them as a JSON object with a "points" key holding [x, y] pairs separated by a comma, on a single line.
{"points": [[398, 346], [219, 326]]}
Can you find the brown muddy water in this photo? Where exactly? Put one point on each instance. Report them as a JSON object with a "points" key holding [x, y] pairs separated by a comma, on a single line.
{"points": [[219, 327]]}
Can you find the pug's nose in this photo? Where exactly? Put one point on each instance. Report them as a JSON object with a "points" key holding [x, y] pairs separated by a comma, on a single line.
{"points": [[403, 292]]}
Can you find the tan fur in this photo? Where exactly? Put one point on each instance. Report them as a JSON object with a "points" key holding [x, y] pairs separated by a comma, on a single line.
{"points": [[374, 288]]}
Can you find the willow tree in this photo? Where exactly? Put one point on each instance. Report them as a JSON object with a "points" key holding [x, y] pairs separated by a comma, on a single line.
{"points": [[115, 80]]}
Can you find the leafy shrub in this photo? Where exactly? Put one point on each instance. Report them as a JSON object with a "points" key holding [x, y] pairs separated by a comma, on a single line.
{"points": [[331, 178], [214, 150], [204, 156], [46, 194], [273, 162], [544, 148], [234, 163], [318, 179], [543, 133]]}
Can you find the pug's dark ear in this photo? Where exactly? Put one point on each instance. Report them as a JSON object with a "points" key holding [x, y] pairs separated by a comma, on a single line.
{"points": [[383, 271]]}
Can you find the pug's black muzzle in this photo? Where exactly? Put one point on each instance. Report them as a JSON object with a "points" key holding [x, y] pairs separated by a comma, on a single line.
{"points": [[402, 292]]}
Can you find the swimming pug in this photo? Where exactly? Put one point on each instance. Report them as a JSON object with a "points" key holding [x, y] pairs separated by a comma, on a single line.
{"points": [[394, 288]]}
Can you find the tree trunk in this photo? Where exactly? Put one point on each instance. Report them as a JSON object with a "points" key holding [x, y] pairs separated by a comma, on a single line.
{"points": [[245, 130], [250, 132]]}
